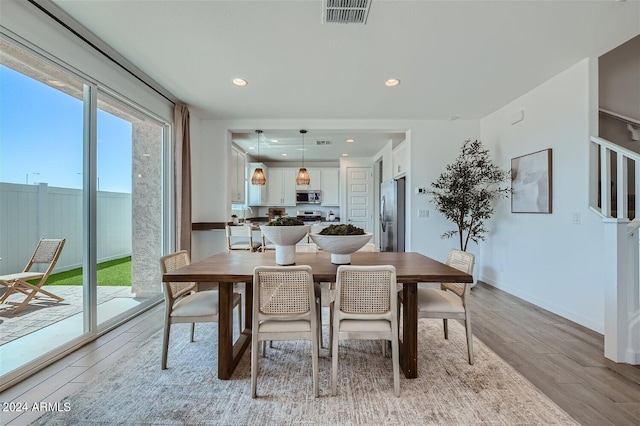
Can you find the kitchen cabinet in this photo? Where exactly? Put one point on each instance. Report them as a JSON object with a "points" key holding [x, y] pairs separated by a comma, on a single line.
{"points": [[237, 176], [281, 184], [257, 193], [330, 187], [315, 180], [400, 161]]}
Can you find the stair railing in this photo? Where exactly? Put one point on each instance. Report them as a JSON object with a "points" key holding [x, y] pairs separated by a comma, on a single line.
{"points": [[614, 163]]}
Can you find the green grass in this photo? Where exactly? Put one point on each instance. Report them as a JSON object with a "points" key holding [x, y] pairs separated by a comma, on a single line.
{"points": [[115, 273]]}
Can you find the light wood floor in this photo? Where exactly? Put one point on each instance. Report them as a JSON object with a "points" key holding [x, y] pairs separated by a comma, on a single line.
{"points": [[563, 359]]}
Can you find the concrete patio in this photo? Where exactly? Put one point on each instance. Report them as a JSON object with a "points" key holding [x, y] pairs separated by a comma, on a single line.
{"points": [[44, 312]]}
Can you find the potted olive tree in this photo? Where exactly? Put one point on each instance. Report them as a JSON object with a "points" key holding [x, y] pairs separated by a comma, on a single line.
{"points": [[465, 192]]}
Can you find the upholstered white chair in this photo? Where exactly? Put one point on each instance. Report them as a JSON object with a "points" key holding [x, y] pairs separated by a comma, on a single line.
{"points": [[284, 308], [451, 300], [184, 304], [240, 238], [365, 308]]}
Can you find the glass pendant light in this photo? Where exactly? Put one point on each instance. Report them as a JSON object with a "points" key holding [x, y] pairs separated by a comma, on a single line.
{"points": [[303, 175], [258, 177]]}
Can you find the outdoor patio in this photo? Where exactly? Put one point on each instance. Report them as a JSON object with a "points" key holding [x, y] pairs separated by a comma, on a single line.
{"points": [[41, 313]]}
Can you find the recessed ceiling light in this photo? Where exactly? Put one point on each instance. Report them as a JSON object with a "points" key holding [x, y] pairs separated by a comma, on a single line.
{"points": [[284, 155], [392, 82], [274, 140], [239, 82], [345, 155], [350, 140], [252, 147]]}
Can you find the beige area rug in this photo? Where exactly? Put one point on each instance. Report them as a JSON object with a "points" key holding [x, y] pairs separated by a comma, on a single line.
{"points": [[448, 391]]}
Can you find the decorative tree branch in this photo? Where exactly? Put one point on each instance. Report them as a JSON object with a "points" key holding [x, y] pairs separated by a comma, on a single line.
{"points": [[465, 191]]}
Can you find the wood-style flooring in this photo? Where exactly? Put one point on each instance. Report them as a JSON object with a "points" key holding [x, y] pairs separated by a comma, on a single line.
{"points": [[564, 360]]}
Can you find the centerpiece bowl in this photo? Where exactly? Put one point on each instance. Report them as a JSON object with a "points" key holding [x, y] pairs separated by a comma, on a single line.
{"points": [[285, 237], [341, 246]]}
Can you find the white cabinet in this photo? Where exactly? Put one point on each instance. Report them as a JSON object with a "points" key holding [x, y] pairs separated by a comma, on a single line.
{"points": [[400, 161], [330, 186], [237, 176], [314, 177], [257, 193], [281, 184]]}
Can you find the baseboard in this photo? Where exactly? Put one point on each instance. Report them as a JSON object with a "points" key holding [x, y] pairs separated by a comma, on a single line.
{"points": [[545, 304]]}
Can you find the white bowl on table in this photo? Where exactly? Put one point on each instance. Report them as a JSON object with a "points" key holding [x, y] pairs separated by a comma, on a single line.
{"points": [[341, 246], [285, 239]]}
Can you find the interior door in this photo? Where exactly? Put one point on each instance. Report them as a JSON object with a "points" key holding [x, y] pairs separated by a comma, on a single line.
{"points": [[360, 197]]}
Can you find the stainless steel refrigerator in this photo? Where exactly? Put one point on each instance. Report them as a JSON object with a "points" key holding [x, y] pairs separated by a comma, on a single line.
{"points": [[392, 215]]}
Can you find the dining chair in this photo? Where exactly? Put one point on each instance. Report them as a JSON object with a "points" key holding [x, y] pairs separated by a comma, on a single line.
{"points": [[266, 244], [451, 300], [240, 238], [46, 253], [184, 304], [308, 248], [284, 308], [365, 308]]}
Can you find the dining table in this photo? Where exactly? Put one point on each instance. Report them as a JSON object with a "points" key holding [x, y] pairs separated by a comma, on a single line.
{"points": [[227, 269]]}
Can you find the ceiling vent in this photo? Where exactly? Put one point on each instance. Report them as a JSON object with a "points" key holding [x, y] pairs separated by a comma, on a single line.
{"points": [[323, 142], [346, 11]]}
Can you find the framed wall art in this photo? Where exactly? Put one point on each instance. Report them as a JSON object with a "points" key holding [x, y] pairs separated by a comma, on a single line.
{"points": [[531, 183]]}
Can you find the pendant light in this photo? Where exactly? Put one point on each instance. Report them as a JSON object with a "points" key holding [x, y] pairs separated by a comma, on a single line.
{"points": [[258, 177], [303, 176]]}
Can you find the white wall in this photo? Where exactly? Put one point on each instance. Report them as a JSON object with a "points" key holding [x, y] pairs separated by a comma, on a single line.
{"points": [[544, 258]]}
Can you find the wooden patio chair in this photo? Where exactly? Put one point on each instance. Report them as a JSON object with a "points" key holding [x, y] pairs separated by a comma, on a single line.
{"points": [[47, 253]]}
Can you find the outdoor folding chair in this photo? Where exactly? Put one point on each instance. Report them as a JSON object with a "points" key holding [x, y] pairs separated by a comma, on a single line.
{"points": [[47, 253]]}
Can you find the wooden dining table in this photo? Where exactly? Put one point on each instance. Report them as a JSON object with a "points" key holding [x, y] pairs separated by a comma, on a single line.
{"points": [[229, 268]]}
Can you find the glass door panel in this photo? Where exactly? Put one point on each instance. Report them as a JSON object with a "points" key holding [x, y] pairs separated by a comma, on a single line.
{"points": [[41, 159], [129, 209]]}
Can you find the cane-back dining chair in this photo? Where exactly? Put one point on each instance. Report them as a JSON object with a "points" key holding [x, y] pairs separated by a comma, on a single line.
{"points": [[184, 304], [47, 253], [266, 244], [365, 308], [451, 300], [241, 238], [284, 308]]}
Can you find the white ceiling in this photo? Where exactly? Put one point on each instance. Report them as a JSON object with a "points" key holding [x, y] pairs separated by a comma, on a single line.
{"points": [[454, 58]]}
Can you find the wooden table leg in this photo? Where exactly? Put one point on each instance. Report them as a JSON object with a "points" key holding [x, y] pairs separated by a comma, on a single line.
{"points": [[409, 343], [229, 354]]}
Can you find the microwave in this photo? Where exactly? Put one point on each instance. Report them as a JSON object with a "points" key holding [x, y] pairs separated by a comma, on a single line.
{"points": [[308, 197]]}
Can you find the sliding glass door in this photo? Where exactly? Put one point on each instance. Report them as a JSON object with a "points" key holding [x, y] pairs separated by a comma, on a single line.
{"points": [[129, 208], [77, 162]]}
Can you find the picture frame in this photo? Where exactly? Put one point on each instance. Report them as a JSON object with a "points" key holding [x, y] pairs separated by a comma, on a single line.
{"points": [[531, 183]]}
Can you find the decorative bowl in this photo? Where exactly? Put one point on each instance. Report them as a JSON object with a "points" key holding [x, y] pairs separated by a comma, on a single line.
{"points": [[341, 246], [285, 239]]}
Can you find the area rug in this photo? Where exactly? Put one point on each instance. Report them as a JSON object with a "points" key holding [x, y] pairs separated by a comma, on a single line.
{"points": [[448, 390]]}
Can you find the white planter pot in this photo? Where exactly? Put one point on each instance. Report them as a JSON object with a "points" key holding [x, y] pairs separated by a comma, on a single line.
{"points": [[341, 246], [285, 239]]}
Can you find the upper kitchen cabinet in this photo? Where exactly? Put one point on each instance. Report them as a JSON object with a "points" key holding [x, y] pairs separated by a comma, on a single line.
{"points": [[330, 187], [237, 176], [315, 180], [400, 160], [282, 186], [257, 193]]}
